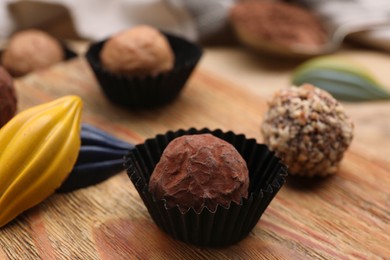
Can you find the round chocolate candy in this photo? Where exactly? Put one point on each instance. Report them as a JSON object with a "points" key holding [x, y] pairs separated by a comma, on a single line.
{"points": [[197, 171]]}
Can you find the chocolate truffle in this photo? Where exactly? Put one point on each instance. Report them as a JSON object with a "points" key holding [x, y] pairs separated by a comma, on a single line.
{"points": [[257, 23], [30, 50], [8, 99], [197, 171], [141, 50], [308, 129]]}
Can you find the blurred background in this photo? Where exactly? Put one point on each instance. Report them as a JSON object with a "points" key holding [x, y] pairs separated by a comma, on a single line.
{"points": [[198, 20]]}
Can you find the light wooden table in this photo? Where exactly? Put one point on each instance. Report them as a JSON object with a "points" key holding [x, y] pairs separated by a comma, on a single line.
{"points": [[346, 216]]}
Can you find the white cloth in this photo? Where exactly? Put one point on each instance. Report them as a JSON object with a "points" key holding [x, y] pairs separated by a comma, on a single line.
{"points": [[339, 12], [192, 19], [97, 19]]}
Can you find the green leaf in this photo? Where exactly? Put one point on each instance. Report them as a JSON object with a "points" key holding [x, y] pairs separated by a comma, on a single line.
{"points": [[344, 79]]}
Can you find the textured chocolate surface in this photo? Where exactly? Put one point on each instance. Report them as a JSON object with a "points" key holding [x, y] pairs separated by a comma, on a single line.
{"points": [[200, 170], [141, 50], [30, 50], [278, 23], [308, 129], [8, 99]]}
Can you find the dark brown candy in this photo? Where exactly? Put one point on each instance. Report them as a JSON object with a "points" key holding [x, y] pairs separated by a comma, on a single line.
{"points": [[8, 99], [197, 171]]}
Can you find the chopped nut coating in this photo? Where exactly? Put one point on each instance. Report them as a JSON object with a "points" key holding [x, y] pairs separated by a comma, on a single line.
{"points": [[308, 129]]}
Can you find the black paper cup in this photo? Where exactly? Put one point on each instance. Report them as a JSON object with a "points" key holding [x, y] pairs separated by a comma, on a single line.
{"points": [[147, 91], [225, 225], [68, 52]]}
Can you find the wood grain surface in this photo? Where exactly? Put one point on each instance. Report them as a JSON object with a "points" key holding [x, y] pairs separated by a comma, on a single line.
{"points": [[346, 216]]}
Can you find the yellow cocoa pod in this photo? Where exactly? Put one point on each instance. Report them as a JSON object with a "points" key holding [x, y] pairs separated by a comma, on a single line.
{"points": [[38, 149]]}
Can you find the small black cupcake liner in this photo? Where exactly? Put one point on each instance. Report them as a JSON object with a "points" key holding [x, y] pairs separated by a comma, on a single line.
{"points": [[225, 225], [147, 91], [68, 52]]}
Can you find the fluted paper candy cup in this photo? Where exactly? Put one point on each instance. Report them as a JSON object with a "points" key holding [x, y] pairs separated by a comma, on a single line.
{"points": [[68, 52], [225, 225], [147, 91]]}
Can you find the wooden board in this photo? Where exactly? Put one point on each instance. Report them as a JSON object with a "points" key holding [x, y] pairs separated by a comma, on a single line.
{"points": [[343, 216]]}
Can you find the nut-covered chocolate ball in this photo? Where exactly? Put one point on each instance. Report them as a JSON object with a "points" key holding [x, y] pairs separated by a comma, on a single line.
{"points": [[30, 50], [139, 51], [197, 171], [308, 129], [8, 99]]}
